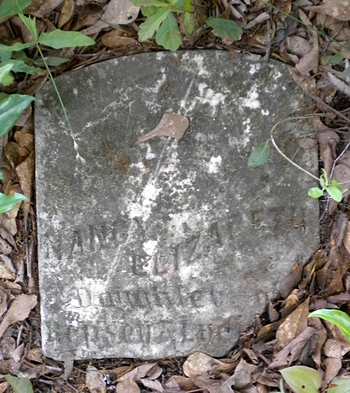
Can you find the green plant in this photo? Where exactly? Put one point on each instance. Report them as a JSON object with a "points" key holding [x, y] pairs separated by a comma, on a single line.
{"points": [[11, 108], [8, 202], [160, 18], [337, 59], [11, 105], [19, 385], [303, 379], [334, 190], [13, 59], [339, 318], [56, 39], [261, 154]]}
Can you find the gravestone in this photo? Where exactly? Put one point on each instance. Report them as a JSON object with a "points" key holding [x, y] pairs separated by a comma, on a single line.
{"points": [[172, 246]]}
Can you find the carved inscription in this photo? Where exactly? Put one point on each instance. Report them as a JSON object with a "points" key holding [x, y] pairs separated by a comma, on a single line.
{"points": [[138, 332], [98, 236], [155, 285], [170, 247], [110, 236], [145, 299]]}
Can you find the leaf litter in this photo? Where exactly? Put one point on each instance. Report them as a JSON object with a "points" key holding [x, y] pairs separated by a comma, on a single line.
{"points": [[171, 125], [282, 335]]}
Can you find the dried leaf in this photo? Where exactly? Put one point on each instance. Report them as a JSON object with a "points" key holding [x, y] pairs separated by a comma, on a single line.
{"points": [[325, 89], [200, 364], [333, 366], [128, 386], [94, 380], [322, 337], [139, 372], [11, 153], [36, 82], [5, 366], [269, 378], [89, 21], [181, 382], [262, 17], [36, 355], [113, 39], [5, 234], [243, 374], [345, 158], [3, 387], [116, 12], [25, 33], [66, 12], [7, 270], [154, 385], [27, 370], [335, 349], [309, 62], [120, 12], [274, 315], [46, 8], [339, 84], [337, 9], [328, 141], [223, 385], [306, 83], [3, 301], [291, 280], [25, 173], [171, 124], [291, 303], [295, 323], [17, 353], [325, 273], [293, 350], [342, 175], [266, 330], [118, 372], [251, 355], [6, 182], [25, 118], [5, 248], [347, 237], [11, 286], [338, 271], [304, 18], [307, 143], [261, 388], [21, 272], [8, 344], [94, 26], [298, 45], [339, 300], [155, 372], [18, 311], [25, 142]]}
